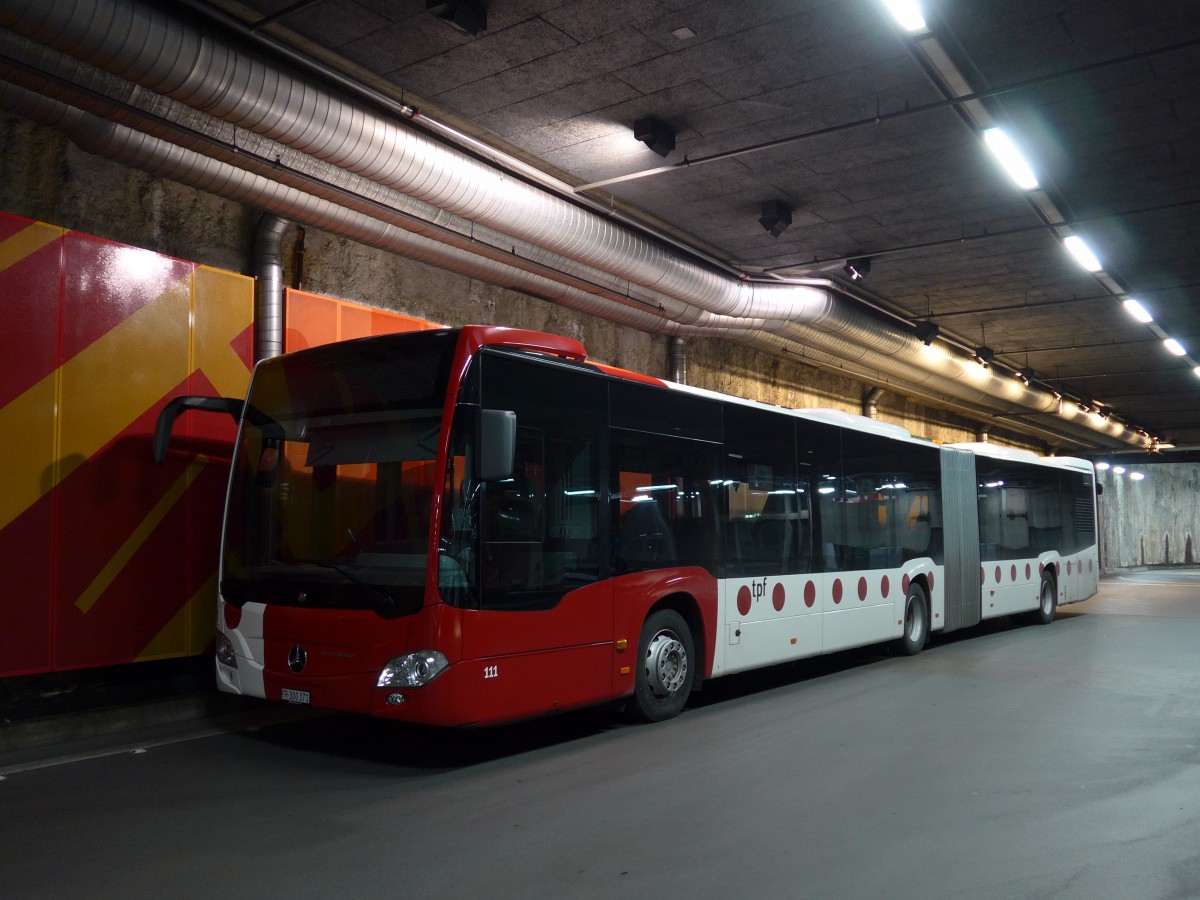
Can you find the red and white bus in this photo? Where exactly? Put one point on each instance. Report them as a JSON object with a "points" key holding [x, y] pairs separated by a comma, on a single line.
{"points": [[478, 525]]}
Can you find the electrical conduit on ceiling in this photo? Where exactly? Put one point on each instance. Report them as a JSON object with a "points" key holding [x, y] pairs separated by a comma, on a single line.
{"points": [[165, 55]]}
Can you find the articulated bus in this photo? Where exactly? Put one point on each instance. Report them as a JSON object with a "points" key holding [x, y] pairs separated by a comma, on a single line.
{"points": [[478, 525]]}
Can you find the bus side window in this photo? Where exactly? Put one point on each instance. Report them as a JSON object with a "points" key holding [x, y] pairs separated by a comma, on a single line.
{"points": [[663, 502], [514, 522], [767, 516], [540, 528]]}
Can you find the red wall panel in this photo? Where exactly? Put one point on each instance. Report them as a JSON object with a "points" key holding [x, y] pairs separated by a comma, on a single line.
{"points": [[30, 301]]}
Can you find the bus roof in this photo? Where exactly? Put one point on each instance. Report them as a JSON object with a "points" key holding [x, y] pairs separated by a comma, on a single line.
{"points": [[550, 345]]}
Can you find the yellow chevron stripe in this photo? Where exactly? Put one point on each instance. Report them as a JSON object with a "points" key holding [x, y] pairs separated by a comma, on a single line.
{"points": [[190, 630], [223, 308], [94, 397], [61, 421], [143, 531], [27, 241]]}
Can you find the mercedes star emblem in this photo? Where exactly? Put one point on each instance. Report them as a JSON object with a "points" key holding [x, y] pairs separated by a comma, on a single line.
{"points": [[297, 658]]}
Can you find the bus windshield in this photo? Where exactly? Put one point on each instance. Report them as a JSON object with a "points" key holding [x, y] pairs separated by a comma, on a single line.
{"points": [[333, 485]]}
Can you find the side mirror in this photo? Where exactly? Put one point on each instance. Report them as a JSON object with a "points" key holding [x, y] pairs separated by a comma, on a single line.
{"points": [[497, 444], [170, 412]]}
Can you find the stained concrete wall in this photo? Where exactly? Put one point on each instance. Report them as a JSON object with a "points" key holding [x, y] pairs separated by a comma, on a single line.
{"points": [[43, 176], [1151, 522]]}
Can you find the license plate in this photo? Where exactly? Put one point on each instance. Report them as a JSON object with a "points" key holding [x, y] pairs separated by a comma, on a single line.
{"points": [[290, 696]]}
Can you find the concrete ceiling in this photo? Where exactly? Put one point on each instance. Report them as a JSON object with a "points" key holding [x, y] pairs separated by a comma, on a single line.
{"points": [[867, 146]]}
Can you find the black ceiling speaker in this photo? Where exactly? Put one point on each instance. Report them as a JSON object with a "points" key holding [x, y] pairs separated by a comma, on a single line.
{"points": [[857, 269], [655, 134], [776, 217], [468, 16]]}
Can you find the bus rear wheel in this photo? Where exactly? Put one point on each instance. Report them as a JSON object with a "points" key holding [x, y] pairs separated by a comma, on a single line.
{"points": [[666, 655], [916, 621], [1047, 601]]}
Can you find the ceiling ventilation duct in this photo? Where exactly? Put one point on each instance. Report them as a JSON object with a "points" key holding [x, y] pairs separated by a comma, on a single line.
{"points": [[169, 56]]}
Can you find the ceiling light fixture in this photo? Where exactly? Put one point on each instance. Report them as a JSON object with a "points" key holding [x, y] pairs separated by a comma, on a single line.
{"points": [[1010, 158], [1102, 466], [1025, 375], [655, 134], [907, 14], [1139, 312], [468, 16], [857, 269], [776, 217], [1136, 476], [1196, 371], [1175, 347], [1082, 253], [984, 356], [927, 332]]}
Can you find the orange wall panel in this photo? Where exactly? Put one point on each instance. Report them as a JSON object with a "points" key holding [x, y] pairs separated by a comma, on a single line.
{"points": [[313, 319]]}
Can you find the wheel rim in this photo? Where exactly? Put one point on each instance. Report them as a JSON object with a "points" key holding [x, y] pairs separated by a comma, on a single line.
{"points": [[666, 664]]}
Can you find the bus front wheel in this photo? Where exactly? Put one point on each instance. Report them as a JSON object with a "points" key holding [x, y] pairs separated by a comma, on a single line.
{"points": [[666, 655], [916, 621]]}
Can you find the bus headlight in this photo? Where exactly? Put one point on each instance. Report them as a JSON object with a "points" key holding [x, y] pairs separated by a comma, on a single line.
{"points": [[225, 651], [413, 669]]}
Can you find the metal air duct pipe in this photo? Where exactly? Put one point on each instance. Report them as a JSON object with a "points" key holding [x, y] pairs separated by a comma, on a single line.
{"points": [[677, 357], [159, 157], [268, 286], [168, 55], [870, 402]]}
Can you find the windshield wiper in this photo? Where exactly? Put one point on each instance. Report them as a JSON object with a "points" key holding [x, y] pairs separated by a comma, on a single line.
{"points": [[385, 602]]}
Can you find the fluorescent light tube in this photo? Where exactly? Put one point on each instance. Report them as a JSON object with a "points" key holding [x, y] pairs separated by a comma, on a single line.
{"points": [[1010, 158], [907, 13], [1175, 347], [1083, 254], [1139, 312]]}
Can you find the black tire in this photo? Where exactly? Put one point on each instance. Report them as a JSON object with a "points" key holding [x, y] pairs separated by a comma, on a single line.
{"points": [[916, 621], [1047, 601], [666, 657]]}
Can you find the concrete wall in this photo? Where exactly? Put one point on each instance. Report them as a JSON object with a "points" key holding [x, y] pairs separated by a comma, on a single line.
{"points": [[45, 177], [1152, 522]]}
